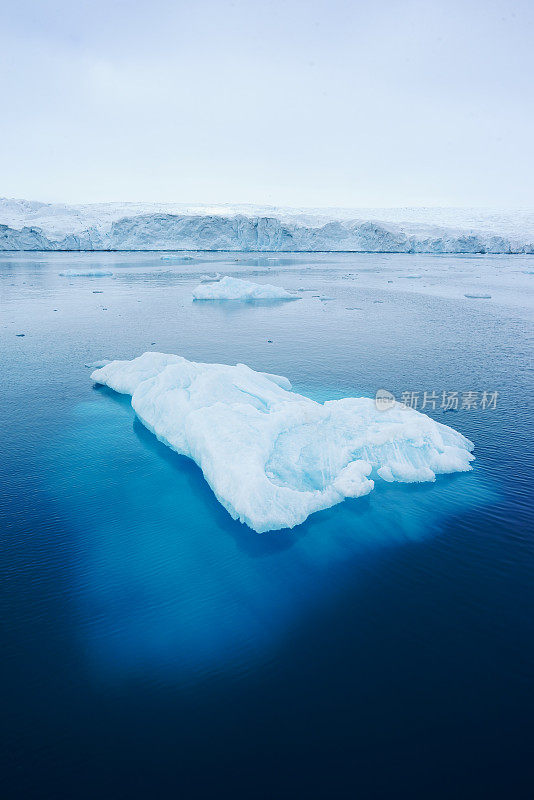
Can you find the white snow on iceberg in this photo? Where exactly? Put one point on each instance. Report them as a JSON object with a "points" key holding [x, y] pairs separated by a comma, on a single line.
{"points": [[237, 289], [85, 273], [271, 456]]}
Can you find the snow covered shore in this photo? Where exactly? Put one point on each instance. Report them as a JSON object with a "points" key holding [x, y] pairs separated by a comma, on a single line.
{"points": [[27, 225]]}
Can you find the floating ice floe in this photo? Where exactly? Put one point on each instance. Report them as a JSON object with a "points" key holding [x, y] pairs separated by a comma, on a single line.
{"points": [[98, 364], [210, 278], [271, 456], [236, 289], [178, 258], [85, 273]]}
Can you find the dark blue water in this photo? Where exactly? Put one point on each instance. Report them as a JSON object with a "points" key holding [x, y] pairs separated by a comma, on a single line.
{"points": [[153, 647]]}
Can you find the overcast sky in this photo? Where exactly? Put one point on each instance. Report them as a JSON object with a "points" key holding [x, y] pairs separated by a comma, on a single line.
{"points": [[317, 103]]}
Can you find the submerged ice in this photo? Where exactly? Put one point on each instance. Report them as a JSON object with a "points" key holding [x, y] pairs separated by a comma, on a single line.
{"points": [[271, 456], [228, 288]]}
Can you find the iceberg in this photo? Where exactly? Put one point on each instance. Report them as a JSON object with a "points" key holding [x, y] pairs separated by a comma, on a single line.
{"points": [[179, 258], [271, 456], [237, 289], [85, 273]]}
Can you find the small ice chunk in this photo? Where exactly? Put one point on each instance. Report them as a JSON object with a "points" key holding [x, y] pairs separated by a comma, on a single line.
{"points": [[271, 456], [236, 289], [98, 364], [85, 273]]}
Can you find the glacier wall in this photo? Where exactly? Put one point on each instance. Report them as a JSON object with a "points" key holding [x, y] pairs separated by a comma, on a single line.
{"points": [[37, 226]]}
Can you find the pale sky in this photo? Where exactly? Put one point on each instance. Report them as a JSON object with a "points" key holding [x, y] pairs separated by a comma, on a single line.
{"points": [[286, 102]]}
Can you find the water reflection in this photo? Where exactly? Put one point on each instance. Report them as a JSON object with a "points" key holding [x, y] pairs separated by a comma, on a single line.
{"points": [[168, 582]]}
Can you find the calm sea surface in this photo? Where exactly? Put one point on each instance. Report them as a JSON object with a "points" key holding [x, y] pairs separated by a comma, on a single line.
{"points": [[153, 647]]}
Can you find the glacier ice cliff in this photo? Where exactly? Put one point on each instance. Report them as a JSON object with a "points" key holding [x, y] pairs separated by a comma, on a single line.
{"points": [[271, 456], [26, 225], [228, 288]]}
